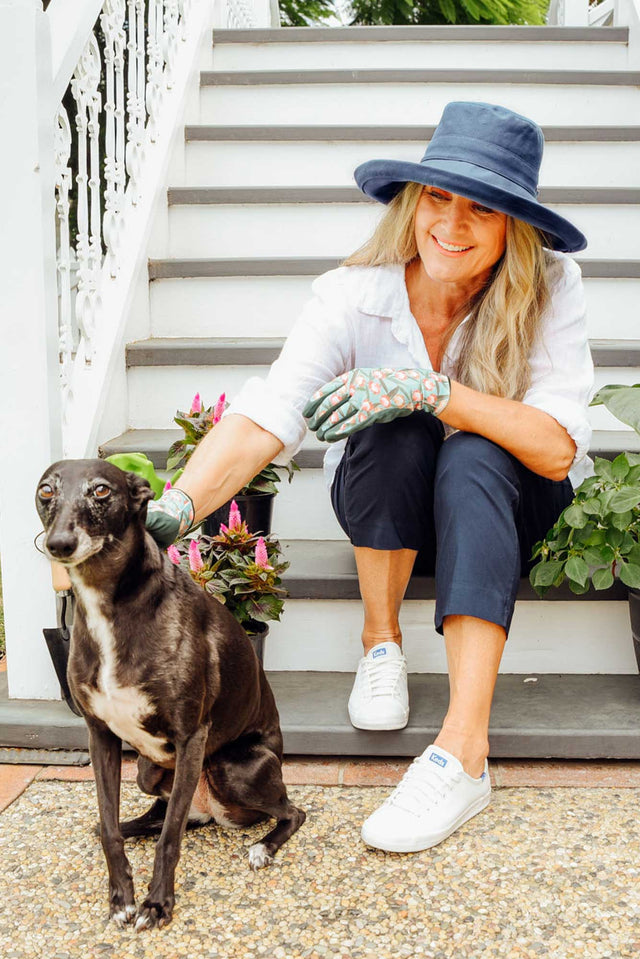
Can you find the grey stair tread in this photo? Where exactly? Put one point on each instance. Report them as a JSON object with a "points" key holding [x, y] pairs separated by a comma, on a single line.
{"points": [[155, 443], [483, 34], [552, 134], [559, 716], [400, 75], [325, 569], [181, 196], [211, 351], [313, 266]]}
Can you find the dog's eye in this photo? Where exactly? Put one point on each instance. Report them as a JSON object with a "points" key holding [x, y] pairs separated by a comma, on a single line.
{"points": [[45, 492], [101, 492]]}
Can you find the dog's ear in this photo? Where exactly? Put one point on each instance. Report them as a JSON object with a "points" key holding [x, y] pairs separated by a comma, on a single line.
{"points": [[139, 492]]}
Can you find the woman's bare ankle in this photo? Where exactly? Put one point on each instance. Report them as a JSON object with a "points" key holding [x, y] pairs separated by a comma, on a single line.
{"points": [[371, 638]]}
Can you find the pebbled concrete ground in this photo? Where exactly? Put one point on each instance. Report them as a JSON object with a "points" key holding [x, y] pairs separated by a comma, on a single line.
{"points": [[543, 872]]}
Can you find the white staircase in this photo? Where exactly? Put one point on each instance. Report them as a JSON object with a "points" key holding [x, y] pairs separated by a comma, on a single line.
{"points": [[261, 200]]}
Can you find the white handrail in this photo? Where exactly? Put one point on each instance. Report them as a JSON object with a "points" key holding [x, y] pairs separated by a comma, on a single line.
{"points": [[70, 24]]}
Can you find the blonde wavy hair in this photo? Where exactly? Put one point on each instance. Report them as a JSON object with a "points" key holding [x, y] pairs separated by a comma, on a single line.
{"points": [[505, 315]]}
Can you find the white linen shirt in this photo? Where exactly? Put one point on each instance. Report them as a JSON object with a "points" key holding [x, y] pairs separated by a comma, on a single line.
{"points": [[361, 317]]}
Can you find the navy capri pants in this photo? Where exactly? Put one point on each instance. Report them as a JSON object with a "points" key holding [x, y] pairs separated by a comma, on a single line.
{"points": [[470, 509]]}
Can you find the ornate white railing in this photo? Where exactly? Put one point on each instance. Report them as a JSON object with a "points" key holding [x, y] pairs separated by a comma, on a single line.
{"points": [[92, 97]]}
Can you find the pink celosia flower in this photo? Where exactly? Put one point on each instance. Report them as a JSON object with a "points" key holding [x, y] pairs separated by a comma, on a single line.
{"points": [[167, 486], [196, 405], [219, 408], [224, 529], [235, 519], [262, 558], [174, 555], [195, 559]]}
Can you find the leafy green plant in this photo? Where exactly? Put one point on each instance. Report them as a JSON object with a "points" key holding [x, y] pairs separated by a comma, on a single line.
{"points": [[367, 12], [596, 539], [196, 424], [240, 569]]}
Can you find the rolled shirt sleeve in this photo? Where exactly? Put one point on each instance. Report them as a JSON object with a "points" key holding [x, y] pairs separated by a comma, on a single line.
{"points": [[318, 348], [561, 365]]}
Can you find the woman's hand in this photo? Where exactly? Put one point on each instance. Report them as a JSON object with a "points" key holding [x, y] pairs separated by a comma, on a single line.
{"points": [[361, 397], [170, 516]]}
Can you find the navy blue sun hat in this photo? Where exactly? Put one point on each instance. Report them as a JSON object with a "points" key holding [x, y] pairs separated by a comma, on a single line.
{"points": [[486, 153]]}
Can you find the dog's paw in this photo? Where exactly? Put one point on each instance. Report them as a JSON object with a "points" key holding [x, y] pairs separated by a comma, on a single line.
{"points": [[123, 915], [259, 856], [152, 915]]}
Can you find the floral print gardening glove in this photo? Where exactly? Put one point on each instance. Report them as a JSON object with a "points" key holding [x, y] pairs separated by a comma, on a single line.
{"points": [[170, 516], [361, 397]]}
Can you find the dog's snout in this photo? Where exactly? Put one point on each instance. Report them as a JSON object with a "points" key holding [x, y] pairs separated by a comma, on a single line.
{"points": [[62, 543]]}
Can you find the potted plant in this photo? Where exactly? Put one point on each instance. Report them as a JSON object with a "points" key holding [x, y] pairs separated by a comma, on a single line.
{"points": [[241, 569], [255, 500], [596, 539]]}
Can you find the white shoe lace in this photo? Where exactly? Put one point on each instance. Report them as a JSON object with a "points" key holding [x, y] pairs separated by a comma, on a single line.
{"points": [[421, 788], [383, 676]]}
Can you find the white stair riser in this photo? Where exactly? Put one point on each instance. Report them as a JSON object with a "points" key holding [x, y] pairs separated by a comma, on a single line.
{"points": [[393, 103], [545, 637], [320, 163], [269, 305], [420, 56], [335, 229], [156, 392], [302, 509]]}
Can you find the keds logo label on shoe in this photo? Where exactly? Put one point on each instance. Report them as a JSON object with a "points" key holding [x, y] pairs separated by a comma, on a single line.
{"points": [[438, 760], [379, 652]]}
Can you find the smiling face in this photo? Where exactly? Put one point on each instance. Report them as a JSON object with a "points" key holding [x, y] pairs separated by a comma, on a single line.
{"points": [[459, 241]]}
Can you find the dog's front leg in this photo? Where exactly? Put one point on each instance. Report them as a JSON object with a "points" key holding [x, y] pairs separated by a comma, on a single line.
{"points": [[157, 909], [106, 756]]}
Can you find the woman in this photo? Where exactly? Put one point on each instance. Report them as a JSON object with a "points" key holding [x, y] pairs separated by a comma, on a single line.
{"points": [[448, 361]]}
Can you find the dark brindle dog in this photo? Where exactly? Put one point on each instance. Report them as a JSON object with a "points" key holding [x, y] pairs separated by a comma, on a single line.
{"points": [[158, 662]]}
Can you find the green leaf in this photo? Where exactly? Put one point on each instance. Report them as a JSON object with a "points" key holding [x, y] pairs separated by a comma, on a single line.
{"points": [[624, 499], [604, 469], [544, 573], [577, 570], [575, 516], [622, 401], [594, 556], [614, 538], [598, 537], [621, 520], [620, 466], [578, 588], [602, 578], [630, 575], [591, 506]]}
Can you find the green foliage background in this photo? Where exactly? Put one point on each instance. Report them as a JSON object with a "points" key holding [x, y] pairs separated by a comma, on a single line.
{"points": [[300, 13]]}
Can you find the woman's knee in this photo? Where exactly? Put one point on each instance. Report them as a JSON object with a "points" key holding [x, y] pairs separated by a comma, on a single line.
{"points": [[468, 461], [398, 446]]}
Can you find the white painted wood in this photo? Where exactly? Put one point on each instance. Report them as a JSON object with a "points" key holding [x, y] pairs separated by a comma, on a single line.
{"points": [[413, 102], [28, 358], [302, 509], [69, 25], [335, 229], [265, 306], [545, 637], [315, 163], [419, 55]]}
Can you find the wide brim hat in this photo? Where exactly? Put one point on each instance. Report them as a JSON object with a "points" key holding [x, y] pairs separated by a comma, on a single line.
{"points": [[485, 153]]}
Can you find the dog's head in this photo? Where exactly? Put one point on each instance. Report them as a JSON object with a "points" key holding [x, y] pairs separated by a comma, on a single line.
{"points": [[85, 504]]}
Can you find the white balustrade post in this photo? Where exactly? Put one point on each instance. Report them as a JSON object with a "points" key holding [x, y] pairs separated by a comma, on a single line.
{"points": [[30, 427]]}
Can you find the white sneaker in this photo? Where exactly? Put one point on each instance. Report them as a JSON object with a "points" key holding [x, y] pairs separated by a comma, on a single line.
{"points": [[379, 698], [434, 798]]}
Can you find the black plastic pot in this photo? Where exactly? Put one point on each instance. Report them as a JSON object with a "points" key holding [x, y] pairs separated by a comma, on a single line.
{"points": [[58, 641], [256, 509], [634, 617], [260, 631]]}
